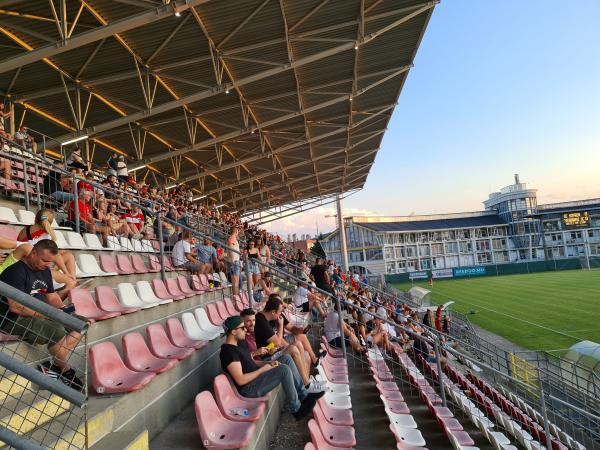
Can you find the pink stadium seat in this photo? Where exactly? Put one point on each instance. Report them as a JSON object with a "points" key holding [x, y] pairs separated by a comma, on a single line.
{"points": [[237, 301], [462, 437], [213, 314], [449, 423], [229, 306], [161, 291], [8, 232], [155, 245], [334, 368], [392, 395], [154, 263], [335, 416], [109, 373], [204, 281], [108, 264], [197, 284], [124, 265], [8, 337], [184, 287], [86, 307], [160, 345], [173, 288], [107, 301], [223, 310], [179, 338], [228, 399], [336, 435], [225, 378], [168, 265], [139, 358], [216, 431], [317, 437], [309, 446], [138, 264], [397, 406]]}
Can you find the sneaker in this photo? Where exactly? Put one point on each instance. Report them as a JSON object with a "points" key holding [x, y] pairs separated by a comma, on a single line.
{"points": [[306, 407], [314, 386], [49, 369], [71, 380]]}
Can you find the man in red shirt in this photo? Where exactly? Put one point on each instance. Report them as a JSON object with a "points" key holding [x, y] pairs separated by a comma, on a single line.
{"points": [[87, 224], [135, 221]]}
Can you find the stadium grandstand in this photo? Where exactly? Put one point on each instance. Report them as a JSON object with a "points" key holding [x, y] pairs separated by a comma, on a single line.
{"points": [[513, 234], [143, 143]]}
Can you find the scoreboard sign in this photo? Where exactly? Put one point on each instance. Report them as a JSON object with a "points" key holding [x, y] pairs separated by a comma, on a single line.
{"points": [[579, 219]]}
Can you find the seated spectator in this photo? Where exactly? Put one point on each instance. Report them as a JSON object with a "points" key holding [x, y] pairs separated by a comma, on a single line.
{"points": [[23, 138], [86, 220], [333, 333], [264, 287], [134, 220], [32, 276], [116, 226], [6, 168], [304, 300], [207, 255], [256, 379], [182, 255], [270, 327], [84, 184], [75, 161], [65, 271], [58, 186]]}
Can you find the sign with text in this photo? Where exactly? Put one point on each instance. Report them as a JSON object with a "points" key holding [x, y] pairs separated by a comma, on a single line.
{"points": [[468, 271], [441, 273], [580, 219], [418, 275]]}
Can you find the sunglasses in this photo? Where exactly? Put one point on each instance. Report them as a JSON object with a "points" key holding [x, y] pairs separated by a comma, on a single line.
{"points": [[243, 327]]}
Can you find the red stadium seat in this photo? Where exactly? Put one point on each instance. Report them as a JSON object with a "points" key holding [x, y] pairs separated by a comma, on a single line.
{"points": [[124, 265], [216, 431], [161, 291], [228, 399], [213, 314], [138, 264], [108, 264], [336, 435], [161, 346], [184, 287], [107, 301], [139, 358], [179, 338], [173, 289], [86, 306], [109, 373], [317, 437]]}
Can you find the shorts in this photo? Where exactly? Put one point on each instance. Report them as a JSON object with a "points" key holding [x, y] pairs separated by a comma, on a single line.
{"points": [[304, 307], [290, 338], [9, 261], [234, 268], [35, 330], [191, 266], [253, 268]]}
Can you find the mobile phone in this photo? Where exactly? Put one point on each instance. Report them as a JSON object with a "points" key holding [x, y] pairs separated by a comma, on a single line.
{"points": [[69, 309]]}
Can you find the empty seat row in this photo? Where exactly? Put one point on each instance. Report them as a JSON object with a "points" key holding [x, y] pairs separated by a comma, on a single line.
{"points": [[8, 216], [332, 425], [142, 362], [402, 423]]}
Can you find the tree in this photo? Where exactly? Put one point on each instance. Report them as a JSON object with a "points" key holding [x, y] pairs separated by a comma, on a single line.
{"points": [[317, 250]]}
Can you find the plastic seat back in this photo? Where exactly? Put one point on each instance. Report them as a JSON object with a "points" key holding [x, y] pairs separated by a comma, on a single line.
{"points": [[129, 298], [213, 314], [108, 264], [173, 287], [147, 246], [60, 240], [192, 329], [88, 264], [197, 284], [146, 293], [8, 232], [204, 281], [137, 245], [86, 306], [168, 264], [184, 286], [124, 265], [108, 301], [138, 356], [126, 244], [204, 321], [178, 337], [138, 264], [161, 346], [92, 241], [75, 240], [223, 310], [161, 290], [7, 215], [154, 263], [26, 217], [113, 243]]}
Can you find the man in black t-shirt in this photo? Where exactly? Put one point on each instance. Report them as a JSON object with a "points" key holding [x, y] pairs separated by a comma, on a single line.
{"points": [[32, 276], [320, 275], [270, 327], [256, 379]]}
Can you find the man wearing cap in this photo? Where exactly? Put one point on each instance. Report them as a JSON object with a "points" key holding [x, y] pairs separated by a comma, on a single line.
{"points": [[257, 378]]}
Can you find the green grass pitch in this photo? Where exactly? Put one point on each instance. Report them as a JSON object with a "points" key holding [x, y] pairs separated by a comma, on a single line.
{"points": [[541, 311]]}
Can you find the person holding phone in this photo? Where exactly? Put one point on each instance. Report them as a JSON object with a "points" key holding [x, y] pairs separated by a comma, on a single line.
{"points": [[257, 378]]}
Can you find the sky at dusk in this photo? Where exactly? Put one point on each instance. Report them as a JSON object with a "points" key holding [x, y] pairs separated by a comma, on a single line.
{"points": [[498, 88]]}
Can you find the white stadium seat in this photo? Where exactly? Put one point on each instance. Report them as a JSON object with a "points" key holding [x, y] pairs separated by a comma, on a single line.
{"points": [[204, 322], [7, 215], [113, 243], [147, 295], [75, 240], [137, 245], [92, 241], [126, 244], [128, 297], [89, 265], [26, 217], [60, 240], [147, 246], [193, 330]]}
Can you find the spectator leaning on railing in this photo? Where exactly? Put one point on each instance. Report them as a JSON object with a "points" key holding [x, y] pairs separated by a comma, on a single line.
{"points": [[32, 276]]}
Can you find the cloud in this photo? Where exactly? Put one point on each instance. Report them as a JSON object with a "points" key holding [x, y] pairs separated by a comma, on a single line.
{"points": [[308, 222]]}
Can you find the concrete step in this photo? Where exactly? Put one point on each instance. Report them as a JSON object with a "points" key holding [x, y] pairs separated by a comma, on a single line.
{"points": [[124, 440]]}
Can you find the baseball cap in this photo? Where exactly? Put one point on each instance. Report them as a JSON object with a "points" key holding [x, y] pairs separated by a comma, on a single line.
{"points": [[232, 322]]}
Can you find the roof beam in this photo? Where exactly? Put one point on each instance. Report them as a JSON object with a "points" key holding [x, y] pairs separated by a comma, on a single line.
{"points": [[104, 31], [218, 90]]}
